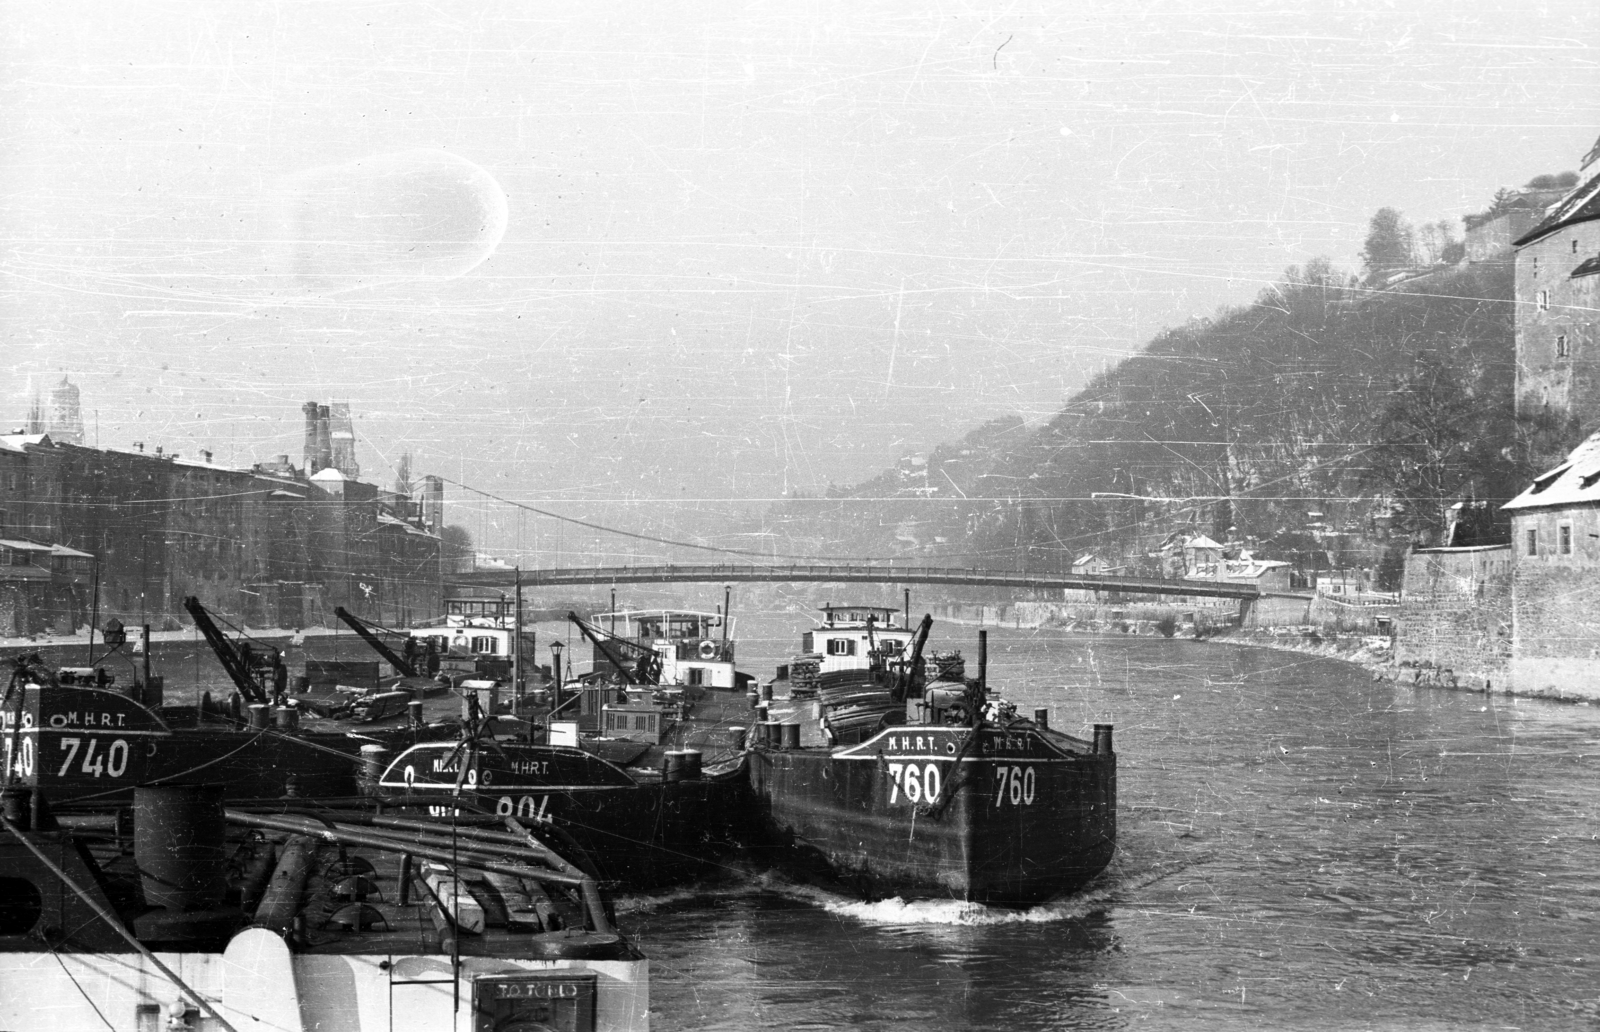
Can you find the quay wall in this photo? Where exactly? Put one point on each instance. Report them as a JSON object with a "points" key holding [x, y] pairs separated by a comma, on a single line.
{"points": [[1455, 615]]}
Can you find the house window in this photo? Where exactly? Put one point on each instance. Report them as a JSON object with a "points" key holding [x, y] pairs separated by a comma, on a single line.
{"points": [[1574, 245], [841, 647], [697, 676], [1562, 351], [1564, 539], [1542, 300], [1533, 541]]}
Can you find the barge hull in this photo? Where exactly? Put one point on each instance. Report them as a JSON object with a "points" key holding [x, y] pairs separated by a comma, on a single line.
{"points": [[913, 813]]}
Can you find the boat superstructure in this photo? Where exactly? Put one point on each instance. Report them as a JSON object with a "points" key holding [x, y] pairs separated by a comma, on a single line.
{"points": [[690, 649]]}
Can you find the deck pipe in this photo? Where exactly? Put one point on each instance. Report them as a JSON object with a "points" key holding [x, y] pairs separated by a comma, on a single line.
{"points": [[1102, 739], [414, 712], [258, 716], [983, 661], [1041, 717], [281, 900], [736, 739], [288, 718], [790, 731], [350, 837]]}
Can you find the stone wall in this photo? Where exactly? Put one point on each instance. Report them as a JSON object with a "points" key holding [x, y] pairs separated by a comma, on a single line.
{"points": [[1455, 613], [1556, 624]]}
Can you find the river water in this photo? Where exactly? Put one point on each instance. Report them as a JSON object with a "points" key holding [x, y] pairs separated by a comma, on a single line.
{"points": [[1299, 847]]}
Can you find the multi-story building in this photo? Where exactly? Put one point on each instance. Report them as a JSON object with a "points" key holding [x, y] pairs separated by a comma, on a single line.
{"points": [[1557, 290], [266, 545]]}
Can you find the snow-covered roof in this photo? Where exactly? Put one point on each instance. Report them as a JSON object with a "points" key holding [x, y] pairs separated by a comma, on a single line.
{"points": [[1201, 541], [1574, 482], [15, 442]]}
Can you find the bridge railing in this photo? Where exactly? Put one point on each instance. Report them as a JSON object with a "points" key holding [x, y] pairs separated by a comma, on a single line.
{"points": [[873, 573]]}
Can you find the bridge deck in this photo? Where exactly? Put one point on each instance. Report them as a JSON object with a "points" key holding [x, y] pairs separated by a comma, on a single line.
{"points": [[744, 572]]}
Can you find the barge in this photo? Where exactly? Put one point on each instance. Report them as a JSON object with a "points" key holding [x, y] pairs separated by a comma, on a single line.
{"points": [[890, 786]]}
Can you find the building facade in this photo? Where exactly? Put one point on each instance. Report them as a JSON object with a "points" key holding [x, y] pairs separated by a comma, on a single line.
{"points": [[267, 546], [1555, 542], [1557, 290]]}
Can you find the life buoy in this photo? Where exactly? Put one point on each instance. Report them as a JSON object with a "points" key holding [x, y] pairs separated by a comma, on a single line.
{"points": [[708, 649]]}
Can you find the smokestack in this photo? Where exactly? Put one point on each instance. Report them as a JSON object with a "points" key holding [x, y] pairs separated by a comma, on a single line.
{"points": [[324, 439], [309, 453], [433, 503]]}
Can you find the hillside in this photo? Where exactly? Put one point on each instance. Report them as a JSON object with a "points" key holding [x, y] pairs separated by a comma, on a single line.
{"points": [[1324, 423]]}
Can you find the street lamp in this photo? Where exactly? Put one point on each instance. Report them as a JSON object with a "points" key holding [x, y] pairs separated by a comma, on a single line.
{"points": [[555, 688]]}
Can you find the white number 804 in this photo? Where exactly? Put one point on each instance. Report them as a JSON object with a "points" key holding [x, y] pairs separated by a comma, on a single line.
{"points": [[920, 784]]}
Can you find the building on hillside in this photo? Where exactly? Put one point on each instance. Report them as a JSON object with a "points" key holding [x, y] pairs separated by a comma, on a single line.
{"points": [[1489, 239], [1200, 552], [1264, 574], [1555, 539], [1557, 297]]}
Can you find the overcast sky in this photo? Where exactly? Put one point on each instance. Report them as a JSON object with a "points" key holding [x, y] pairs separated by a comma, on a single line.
{"points": [[664, 250]]}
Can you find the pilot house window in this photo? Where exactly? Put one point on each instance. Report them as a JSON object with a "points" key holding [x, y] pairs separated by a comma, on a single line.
{"points": [[841, 647]]}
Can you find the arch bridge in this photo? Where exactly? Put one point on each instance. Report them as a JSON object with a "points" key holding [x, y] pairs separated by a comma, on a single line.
{"points": [[858, 574]]}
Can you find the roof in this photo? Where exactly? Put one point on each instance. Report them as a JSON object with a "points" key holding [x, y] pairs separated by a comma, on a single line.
{"points": [[18, 545], [1201, 541], [1587, 267], [384, 519], [1581, 205], [329, 474], [1574, 482], [15, 442], [70, 553]]}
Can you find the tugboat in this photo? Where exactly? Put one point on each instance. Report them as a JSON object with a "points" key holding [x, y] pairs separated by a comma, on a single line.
{"points": [[897, 787], [182, 913]]}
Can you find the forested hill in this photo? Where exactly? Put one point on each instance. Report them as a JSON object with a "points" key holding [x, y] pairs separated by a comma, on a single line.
{"points": [[1323, 411]]}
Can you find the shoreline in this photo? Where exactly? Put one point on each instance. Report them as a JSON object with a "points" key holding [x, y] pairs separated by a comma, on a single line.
{"points": [[1372, 653]]}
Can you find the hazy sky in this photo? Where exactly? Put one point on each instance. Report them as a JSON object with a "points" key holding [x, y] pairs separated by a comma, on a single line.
{"points": [[658, 250]]}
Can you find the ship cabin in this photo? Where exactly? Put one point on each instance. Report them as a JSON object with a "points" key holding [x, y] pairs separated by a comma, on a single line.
{"points": [[638, 716], [845, 638], [694, 649], [476, 637]]}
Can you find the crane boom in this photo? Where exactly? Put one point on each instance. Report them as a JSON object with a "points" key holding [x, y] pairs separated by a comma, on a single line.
{"points": [[358, 625], [227, 653]]}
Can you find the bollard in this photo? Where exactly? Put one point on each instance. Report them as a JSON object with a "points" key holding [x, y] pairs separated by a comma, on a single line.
{"points": [[736, 739], [414, 710], [790, 732], [258, 716], [762, 709], [288, 718], [691, 764], [374, 759], [754, 697], [1041, 716], [766, 692], [1102, 739]]}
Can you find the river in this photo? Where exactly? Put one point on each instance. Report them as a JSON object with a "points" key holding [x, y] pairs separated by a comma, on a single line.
{"points": [[1299, 847]]}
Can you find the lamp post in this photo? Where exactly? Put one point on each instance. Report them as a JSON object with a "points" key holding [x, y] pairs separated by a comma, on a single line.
{"points": [[555, 691]]}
